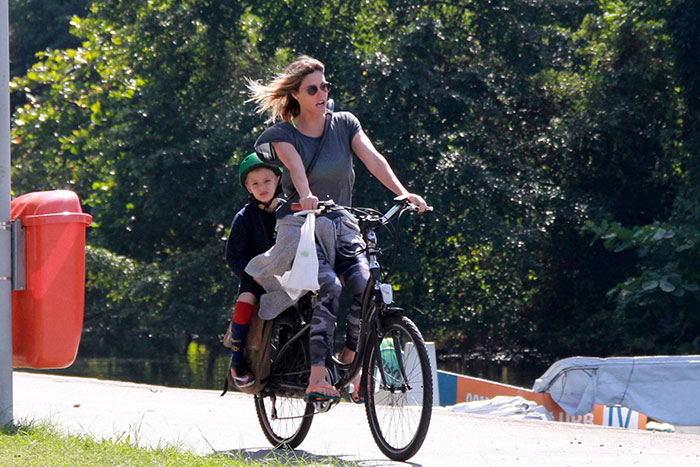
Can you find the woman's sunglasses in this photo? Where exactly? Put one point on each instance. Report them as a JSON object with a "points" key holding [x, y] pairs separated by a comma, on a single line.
{"points": [[313, 89]]}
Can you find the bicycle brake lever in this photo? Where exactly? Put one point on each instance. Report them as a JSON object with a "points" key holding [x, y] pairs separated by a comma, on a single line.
{"points": [[414, 207], [347, 214]]}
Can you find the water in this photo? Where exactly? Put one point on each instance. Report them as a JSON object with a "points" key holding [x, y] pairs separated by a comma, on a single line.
{"points": [[199, 369], [203, 369]]}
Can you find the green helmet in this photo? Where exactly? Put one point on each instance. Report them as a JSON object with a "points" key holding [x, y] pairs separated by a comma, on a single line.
{"points": [[251, 162]]}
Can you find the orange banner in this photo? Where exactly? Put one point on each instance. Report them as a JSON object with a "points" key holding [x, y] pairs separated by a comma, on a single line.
{"points": [[471, 389]]}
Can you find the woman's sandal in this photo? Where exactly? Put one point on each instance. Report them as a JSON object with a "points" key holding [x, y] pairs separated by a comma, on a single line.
{"points": [[313, 396], [355, 396]]}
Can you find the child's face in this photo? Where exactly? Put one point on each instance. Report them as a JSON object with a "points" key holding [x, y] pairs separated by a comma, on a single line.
{"points": [[262, 183]]}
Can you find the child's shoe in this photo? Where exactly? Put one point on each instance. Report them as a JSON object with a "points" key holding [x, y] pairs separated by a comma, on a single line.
{"points": [[241, 374]]}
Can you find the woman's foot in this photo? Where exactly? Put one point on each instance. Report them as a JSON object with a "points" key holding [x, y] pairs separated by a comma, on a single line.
{"points": [[319, 389], [347, 356]]}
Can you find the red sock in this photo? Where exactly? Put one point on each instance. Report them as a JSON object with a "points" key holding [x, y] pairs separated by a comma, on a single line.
{"points": [[242, 312]]}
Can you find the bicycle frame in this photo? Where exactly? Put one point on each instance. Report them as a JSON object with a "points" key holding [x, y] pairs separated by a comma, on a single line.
{"points": [[303, 305], [397, 395], [373, 307]]}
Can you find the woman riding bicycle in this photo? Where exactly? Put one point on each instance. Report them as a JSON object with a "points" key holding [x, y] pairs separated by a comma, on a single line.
{"points": [[298, 97]]}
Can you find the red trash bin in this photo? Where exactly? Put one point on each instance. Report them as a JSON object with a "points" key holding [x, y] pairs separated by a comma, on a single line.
{"points": [[47, 317]]}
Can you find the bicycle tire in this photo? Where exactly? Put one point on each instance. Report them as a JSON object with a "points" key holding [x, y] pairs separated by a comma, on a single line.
{"points": [[285, 421], [399, 418]]}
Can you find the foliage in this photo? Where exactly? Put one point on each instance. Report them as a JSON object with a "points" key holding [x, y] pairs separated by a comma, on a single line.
{"points": [[123, 302], [521, 121], [658, 305], [96, 122], [657, 302], [37, 25]]}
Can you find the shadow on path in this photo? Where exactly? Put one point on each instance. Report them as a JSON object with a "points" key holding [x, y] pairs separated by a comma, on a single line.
{"points": [[301, 458]]}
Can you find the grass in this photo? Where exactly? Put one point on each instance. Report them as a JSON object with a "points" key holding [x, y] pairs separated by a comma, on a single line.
{"points": [[43, 444]]}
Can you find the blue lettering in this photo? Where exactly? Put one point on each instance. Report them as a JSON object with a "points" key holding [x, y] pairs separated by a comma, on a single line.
{"points": [[621, 423], [619, 417]]}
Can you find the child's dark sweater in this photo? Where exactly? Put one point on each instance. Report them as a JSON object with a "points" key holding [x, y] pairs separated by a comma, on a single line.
{"points": [[252, 233]]}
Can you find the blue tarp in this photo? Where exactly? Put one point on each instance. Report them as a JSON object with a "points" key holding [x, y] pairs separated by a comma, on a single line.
{"points": [[665, 388]]}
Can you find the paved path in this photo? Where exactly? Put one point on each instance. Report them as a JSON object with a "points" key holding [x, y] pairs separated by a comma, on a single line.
{"points": [[205, 422]]}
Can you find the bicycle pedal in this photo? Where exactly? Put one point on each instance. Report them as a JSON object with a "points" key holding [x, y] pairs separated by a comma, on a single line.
{"points": [[324, 406]]}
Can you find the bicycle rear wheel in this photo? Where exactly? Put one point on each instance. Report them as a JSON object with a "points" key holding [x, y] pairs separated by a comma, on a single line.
{"points": [[284, 416], [285, 421], [399, 405]]}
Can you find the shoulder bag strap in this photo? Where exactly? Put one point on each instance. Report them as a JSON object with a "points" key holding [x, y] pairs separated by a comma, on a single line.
{"points": [[330, 105]]}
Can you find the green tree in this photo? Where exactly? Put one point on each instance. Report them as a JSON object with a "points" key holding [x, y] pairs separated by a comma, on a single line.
{"points": [[657, 301], [38, 25], [123, 306], [520, 121], [144, 120]]}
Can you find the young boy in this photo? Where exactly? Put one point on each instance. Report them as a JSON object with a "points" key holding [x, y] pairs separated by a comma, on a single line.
{"points": [[252, 233]]}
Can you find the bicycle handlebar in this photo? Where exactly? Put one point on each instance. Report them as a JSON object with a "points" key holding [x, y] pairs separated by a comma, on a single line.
{"points": [[401, 204], [322, 205]]}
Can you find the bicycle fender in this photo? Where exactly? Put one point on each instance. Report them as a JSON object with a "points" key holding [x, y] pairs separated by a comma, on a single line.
{"points": [[392, 310]]}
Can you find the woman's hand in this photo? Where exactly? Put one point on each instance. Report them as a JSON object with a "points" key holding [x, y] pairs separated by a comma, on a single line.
{"points": [[308, 202], [418, 201]]}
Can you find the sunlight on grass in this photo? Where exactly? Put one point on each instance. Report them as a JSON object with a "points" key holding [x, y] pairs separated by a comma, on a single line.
{"points": [[43, 443]]}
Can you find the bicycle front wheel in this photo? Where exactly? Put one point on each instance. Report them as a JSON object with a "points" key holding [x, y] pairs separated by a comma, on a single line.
{"points": [[399, 389]]}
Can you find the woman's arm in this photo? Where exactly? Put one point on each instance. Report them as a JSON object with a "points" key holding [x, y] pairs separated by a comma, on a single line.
{"points": [[380, 168], [292, 161]]}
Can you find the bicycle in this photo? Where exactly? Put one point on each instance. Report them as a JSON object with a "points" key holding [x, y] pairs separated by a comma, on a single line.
{"points": [[396, 383]]}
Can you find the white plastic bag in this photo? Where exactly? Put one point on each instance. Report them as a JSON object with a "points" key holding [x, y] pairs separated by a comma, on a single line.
{"points": [[304, 273]]}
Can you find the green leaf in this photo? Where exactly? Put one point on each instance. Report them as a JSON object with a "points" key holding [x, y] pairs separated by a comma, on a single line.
{"points": [[660, 234], [679, 292], [666, 286], [624, 234], [687, 245]]}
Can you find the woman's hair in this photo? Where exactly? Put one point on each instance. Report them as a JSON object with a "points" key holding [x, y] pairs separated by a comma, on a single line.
{"points": [[277, 96]]}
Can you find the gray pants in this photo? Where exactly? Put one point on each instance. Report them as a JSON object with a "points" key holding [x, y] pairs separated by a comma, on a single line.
{"points": [[350, 270]]}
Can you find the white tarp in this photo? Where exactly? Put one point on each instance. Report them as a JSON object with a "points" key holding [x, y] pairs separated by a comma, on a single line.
{"points": [[505, 406], [664, 388]]}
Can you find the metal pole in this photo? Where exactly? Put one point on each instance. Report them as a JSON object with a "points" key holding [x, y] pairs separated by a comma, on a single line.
{"points": [[5, 236]]}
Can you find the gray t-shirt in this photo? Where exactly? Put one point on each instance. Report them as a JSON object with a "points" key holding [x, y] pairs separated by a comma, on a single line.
{"points": [[332, 177]]}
